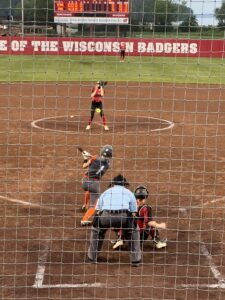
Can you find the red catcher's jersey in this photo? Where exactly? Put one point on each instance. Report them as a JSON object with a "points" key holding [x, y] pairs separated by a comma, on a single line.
{"points": [[144, 216]]}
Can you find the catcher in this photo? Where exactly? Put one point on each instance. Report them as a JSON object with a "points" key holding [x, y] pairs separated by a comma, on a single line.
{"points": [[147, 226], [97, 167], [97, 105]]}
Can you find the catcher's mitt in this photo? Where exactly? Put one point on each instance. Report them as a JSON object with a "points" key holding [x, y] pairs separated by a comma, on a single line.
{"points": [[103, 83]]}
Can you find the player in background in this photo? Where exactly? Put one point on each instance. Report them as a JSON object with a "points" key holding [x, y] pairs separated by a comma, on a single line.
{"points": [[96, 168], [147, 225], [97, 105], [122, 51]]}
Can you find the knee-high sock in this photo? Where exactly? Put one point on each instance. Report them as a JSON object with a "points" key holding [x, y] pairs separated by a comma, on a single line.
{"points": [[90, 212]]}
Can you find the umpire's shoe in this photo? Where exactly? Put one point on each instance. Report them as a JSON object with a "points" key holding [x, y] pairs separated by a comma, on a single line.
{"points": [[90, 261], [136, 264]]}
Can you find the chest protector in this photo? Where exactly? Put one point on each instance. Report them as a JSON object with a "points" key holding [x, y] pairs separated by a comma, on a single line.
{"points": [[140, 209]]}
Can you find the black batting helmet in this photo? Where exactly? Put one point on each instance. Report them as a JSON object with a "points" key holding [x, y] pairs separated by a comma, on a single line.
{"points": [[141, 192], [107, 151]]}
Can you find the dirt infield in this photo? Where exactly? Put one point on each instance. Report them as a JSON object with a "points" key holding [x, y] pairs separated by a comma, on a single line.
{"points": [[169, 137]]}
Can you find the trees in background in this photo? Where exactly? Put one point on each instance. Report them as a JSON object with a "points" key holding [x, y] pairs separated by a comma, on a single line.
{"points": [[162, 14], [40, 12], [220, 15], [7, 7]]}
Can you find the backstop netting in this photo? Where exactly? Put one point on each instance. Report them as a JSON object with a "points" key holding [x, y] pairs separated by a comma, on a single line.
{"points": [[164, 116]]}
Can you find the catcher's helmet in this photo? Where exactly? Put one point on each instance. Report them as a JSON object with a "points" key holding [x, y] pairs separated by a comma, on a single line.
{"points": [[141, 192], [106, 151]]}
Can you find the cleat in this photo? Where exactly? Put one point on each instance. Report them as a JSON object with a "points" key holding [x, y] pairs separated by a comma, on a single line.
{"points": [[88, 127], [160, 244], [106, 128], [85, 223], [113, 241], [118, 244]]}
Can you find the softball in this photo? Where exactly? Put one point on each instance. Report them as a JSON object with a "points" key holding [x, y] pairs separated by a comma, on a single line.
{"points": [[98, 110]]}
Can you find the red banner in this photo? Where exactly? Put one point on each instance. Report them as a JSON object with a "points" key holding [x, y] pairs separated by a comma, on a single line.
{"points": [[110, 46]]}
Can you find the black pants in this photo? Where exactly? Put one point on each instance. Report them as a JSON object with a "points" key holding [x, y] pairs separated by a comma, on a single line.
{"points": [[122, 54], [95, 105], [106, 221], [149, 231]]}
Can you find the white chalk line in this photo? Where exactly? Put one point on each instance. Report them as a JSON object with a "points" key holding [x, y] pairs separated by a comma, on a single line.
{"points": [[40, 273], [212, 286], [204, 204], [66, 285], [39, 277], [170, 125], [214, 201], [217, 275], [26, 203], [213, 267], [42, 259]]}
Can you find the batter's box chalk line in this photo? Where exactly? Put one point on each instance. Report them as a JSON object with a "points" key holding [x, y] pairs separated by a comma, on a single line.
{"points": [[213, 268], [166, 122]]}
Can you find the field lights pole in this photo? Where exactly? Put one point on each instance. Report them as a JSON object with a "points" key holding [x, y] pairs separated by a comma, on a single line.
{"points": [[22, 14]]}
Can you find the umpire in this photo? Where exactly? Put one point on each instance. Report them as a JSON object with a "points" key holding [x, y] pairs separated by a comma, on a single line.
{"points": [[116, 209]]}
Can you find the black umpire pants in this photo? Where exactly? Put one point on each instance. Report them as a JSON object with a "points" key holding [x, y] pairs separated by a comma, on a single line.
{"points": [[107, 220]]}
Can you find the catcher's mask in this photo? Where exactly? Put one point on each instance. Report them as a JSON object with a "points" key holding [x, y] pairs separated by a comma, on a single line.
{"points": [[107, 151], [141, 192], [119, 180]]}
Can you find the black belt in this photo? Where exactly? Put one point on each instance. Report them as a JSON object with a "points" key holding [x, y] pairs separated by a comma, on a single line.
{"points": [[120, 211], [90, 179]]}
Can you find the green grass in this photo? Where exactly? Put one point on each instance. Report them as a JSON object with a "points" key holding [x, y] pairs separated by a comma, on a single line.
{"points": [[91, 68]]}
